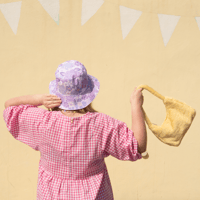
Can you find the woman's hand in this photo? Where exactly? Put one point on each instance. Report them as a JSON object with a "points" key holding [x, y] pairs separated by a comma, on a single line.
{"points": [[51, 101], [137, 97]]}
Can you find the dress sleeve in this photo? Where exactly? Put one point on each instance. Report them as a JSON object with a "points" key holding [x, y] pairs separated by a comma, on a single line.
{"points": [[25, 123], [119, 141]]}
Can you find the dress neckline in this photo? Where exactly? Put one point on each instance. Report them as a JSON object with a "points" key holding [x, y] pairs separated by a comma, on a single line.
{"points": [[73, 117]]}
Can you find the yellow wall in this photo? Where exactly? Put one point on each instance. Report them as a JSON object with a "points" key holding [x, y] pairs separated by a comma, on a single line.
{"points": [[29, 58]]}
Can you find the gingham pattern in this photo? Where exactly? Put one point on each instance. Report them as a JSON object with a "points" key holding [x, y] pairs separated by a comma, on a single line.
{"points": [[72, 163]]}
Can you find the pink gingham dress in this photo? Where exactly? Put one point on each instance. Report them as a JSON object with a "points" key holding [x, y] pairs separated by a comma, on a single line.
{"points": [[72, 165]]}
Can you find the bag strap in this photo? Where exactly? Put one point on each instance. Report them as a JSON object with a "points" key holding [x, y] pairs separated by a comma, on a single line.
{"points": [[146, 87], [152, 91]]}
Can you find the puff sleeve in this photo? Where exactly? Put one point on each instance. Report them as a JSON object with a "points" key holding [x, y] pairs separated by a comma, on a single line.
{"points": [[25, 123], [118, 140]]}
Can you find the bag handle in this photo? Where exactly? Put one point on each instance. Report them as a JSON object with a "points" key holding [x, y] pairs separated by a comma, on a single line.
{"points": [[146, 87]]}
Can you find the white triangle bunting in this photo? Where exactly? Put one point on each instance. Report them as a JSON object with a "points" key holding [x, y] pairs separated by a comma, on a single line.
{"points": [[89, 8], [52, 7], [11, 12], [128, 18], [198, 21], [167, 26]]}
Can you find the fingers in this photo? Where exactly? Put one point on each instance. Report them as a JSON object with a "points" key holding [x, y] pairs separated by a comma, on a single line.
{"points": [[54, 97], [52, 104], [52, 101], [57, 101], [140, 89]]}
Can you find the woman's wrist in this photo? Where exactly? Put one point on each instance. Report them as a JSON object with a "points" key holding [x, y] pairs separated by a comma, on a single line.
{"points": [[136, 106], [38, 99]]}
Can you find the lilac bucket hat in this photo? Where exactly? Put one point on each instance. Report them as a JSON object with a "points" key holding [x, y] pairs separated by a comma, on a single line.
{"points": [[74, 86]]}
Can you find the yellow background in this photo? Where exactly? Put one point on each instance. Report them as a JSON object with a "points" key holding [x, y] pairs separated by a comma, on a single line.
{"points": [[29, 59]]}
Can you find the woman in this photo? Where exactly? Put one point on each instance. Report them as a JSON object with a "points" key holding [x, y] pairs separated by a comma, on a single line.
{"points": [[73, 144]]}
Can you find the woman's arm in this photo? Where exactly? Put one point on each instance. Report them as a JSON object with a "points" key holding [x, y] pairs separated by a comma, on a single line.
{"points": [[23, 100], [139, 128], [48, 100], [138, 123]]}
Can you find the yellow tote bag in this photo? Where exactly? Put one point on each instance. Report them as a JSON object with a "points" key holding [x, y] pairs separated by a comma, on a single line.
{"points": [[179, 117]]}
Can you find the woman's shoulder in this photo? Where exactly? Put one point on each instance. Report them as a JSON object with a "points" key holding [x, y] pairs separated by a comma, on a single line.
{"points": [[106, 118]]}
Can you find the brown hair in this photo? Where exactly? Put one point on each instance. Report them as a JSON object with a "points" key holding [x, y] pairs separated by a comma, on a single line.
{"points": [[88, 108]]}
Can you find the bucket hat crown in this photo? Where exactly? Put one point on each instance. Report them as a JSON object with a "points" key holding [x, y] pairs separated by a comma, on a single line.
{"points": [[74, 86]]}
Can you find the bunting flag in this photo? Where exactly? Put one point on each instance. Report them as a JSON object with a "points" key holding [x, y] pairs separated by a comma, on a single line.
{"points": [[52, 7], [128, 18], [167, 26], [198, 21], [11, 12], [89, 8]]}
